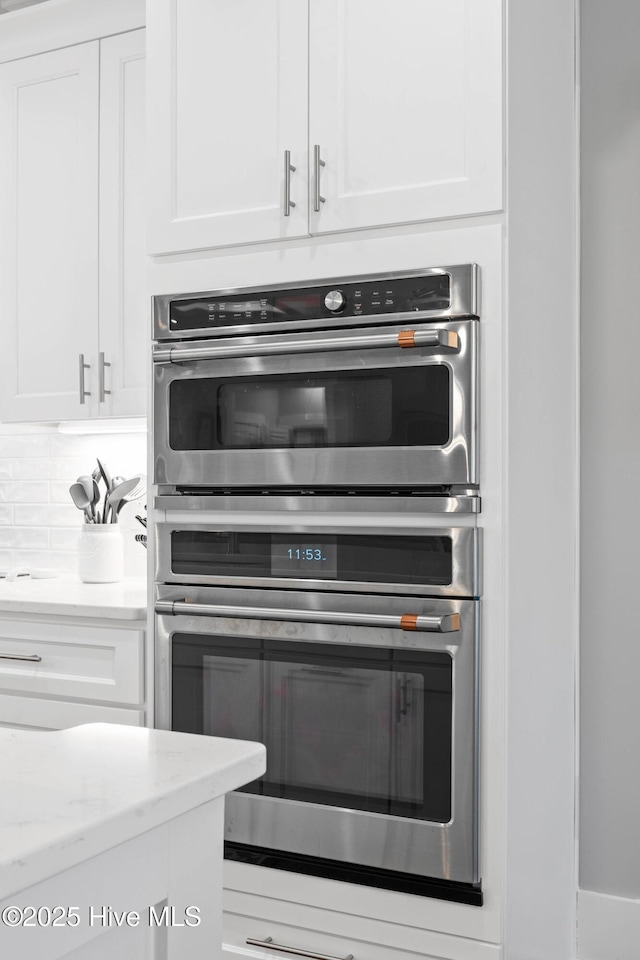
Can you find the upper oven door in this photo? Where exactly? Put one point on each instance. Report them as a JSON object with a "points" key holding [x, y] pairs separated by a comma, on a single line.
{"points": [[358, 407]]}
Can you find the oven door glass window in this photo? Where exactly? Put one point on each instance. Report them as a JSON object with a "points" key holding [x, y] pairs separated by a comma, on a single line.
{"points": [[367, 729], [401, 406]]}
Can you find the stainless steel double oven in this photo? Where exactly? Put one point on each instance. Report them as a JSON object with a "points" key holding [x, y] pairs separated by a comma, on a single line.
{"points": [[318, 566]]}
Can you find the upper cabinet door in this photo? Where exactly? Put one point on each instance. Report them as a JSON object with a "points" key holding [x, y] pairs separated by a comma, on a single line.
{"points": [[406, 107], [227, 96], [125, 314], [49, 233]]}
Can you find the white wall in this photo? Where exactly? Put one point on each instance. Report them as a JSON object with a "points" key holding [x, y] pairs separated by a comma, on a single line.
{"points": [[610, 653], [541, 517], [39, 525], [609, 849]]}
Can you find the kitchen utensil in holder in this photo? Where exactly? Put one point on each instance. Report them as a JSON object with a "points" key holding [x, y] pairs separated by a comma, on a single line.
{"points": [[101, 553]]}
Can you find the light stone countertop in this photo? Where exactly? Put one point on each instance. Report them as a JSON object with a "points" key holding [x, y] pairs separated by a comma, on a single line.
{"points": [[69, 795], [67, 596]]}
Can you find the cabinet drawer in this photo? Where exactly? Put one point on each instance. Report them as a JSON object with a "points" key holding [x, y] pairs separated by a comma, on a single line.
{"points": [[88, 663], [237, 928], [31, 712]]}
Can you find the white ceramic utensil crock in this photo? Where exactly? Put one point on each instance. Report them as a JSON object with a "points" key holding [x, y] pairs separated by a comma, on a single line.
{"points": [[101, 553]]}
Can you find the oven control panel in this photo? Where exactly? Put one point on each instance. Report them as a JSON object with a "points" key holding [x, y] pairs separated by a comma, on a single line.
{"points": [[342, 301]]}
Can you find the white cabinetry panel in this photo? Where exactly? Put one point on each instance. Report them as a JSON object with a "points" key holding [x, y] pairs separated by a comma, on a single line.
{"points": [[30, 713], [125, 322], [237, 928], [49, 235], [227, 97], [72, 232], [405, 105], [407, 109], [93, 663]]}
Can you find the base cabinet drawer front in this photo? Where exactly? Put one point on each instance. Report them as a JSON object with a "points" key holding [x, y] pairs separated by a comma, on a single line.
{"points": [[305, 944], [88, 663], [34, 713]]}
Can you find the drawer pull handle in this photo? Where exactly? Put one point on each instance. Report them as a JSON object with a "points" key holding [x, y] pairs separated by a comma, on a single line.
{"points": [[33, 658], [318, 163], [82, 367], [288, 170], [280, 947]]}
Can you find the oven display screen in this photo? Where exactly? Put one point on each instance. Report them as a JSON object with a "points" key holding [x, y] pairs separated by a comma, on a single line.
{"points": [[302, 305], [313, 558]]}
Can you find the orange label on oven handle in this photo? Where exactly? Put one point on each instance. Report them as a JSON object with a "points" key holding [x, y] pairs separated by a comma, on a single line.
{"points": [[409, 621], [407, 338]]}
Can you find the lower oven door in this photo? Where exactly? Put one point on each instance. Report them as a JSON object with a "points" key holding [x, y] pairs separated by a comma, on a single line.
{"points": [[367, 706]]}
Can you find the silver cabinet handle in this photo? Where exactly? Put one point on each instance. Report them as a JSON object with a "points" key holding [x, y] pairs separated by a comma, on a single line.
{"points": [[449, 623], [20, 656], [280, 947], [102, 391], [441, 339], [317, 162], [288, 170], [82, 367]]}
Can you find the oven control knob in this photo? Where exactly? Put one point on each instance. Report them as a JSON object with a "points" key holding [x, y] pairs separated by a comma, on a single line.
{"points": [[335, 301]]}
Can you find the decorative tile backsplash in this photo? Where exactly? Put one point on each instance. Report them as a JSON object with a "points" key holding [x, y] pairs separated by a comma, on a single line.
{"points": [[39, 525]]}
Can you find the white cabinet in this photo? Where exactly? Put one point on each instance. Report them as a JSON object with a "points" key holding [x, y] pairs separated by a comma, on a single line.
{"points": [[66, 672], [124, 308], [48, 230], [237, 929], [227, 96], [71, 280], [404, 104]]}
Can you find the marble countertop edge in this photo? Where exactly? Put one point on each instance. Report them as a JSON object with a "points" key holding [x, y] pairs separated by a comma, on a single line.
{"points": [[38, 842], [66, 595]]}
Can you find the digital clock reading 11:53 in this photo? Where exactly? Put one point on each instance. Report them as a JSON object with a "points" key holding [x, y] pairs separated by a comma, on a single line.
{"points": [[307, 553], [313, 558]]}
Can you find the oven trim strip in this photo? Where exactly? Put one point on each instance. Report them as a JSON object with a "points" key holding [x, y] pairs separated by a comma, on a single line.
{"points": [[454, 891]]}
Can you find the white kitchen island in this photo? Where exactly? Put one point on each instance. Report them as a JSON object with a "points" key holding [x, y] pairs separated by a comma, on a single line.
{"points": [[111, 841]]}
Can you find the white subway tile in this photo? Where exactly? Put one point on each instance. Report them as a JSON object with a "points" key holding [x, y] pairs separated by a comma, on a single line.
{"points": [[6, 560], [54, 515], [59, 492], [65, 538], [35, 558], [24, 491], [6, 469], [66, 445], [51, 468], [28, 538], [62, 562], [113, 449], [31, 445], [6, 513], [135, 555]]}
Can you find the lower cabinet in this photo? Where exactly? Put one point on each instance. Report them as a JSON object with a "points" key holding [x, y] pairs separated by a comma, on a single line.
{"points": [[313, 944], [67, 672]]}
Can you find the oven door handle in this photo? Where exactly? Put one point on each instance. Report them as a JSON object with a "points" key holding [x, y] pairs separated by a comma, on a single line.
{"points": [[449, 623], [440, 339]]}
